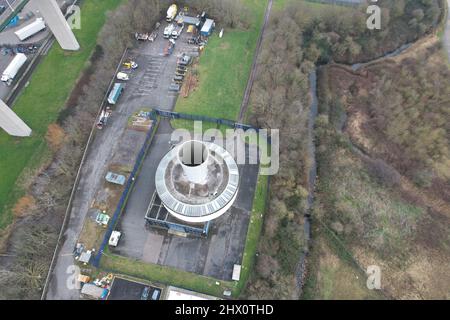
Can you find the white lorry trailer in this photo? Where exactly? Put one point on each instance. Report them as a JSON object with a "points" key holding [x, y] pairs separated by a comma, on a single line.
{"points": [[168, 31], [31, 29], [13, 68], [171, 13]]}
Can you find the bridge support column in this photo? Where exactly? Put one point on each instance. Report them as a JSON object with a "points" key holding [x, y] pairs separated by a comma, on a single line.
{"points": [[11, 123], [57, 23]]}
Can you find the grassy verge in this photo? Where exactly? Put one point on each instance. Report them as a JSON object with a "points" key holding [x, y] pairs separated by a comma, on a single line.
{"points": [[40, 103], [224, 68], [254, 232], [164, 274]]}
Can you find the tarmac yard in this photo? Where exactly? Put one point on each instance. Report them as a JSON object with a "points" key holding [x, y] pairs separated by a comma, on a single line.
{"points": [[123, 289], [212, 256]]}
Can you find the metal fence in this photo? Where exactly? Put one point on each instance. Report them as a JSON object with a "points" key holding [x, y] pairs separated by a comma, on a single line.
{"points": [[192, 117], [125, 193], [340, 2]]}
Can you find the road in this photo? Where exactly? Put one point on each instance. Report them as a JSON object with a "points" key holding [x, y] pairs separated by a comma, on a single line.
{"points": [[12, 3], [446, 38]]}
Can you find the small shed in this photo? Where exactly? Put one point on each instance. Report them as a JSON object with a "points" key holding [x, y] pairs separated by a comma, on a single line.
{"points": [[102, 219], [85, 257], [207, 28]]}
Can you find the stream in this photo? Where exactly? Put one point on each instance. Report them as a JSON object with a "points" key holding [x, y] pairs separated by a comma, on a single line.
{"points": [[312, 174]]}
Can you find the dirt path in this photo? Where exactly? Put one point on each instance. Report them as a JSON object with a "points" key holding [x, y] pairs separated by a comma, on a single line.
{"points": [[251, 80]]}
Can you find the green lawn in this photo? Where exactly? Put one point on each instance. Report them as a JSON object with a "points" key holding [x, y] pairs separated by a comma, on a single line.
{"points": [[254, 232], [165, 275], [40, 103], [224, 68]]}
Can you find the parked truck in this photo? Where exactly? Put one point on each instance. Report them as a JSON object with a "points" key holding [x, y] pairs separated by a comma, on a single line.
{"points": [[115, 93], [13, 68], [31, 29], [171, 13], [168, 31], [177, 31]]}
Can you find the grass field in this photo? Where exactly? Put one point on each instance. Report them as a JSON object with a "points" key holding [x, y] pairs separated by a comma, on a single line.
{"points": [[224, 68], [40, 103], [164, 274]]}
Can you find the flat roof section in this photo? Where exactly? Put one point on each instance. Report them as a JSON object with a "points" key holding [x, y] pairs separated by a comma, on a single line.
{"points": [[174, 293]]}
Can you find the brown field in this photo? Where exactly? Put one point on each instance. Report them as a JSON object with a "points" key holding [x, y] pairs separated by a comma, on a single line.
{"points": [[383, 179]]}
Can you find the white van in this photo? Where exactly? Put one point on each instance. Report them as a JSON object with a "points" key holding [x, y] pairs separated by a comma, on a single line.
{"points": [[114, 239], [123, 76]]}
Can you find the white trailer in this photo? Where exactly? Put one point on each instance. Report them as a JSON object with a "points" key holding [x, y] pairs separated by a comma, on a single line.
{"points": [[13, 68], [31, 29], [168, 31], [171, 13]]}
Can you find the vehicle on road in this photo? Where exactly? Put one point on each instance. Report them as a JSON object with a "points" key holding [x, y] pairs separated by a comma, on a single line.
{"points": [[156, 294], [123, 76], [114, 239], [178, 79], [174, 87], [177, 31], [168, 31], [153, 36], [13, 68], [130, 65], [115, 93], [145, 293], [103, 119], [184, 60], [2, 9], [171, 13], [141, 36], [31, 29]]}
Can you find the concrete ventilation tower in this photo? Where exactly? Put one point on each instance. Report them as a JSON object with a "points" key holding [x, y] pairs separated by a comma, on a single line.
{"points": [[197, 181], [11, 123], [58, 25]]}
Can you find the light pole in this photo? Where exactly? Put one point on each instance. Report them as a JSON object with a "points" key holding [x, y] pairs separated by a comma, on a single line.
{"points": [[12, 9]]}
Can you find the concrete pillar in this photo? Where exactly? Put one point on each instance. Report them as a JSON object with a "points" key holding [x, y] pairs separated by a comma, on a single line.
{"points": [[57, 23], [11, 123]]}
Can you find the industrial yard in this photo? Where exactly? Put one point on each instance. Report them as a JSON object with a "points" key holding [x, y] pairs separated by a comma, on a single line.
{"points": [[117, 183]]}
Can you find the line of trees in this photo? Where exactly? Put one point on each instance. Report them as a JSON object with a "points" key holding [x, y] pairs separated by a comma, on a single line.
{"points": [[298, 38]]}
